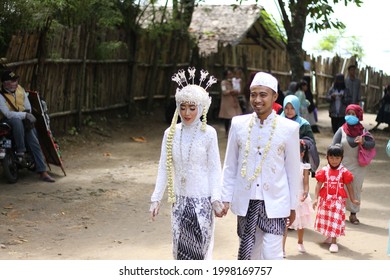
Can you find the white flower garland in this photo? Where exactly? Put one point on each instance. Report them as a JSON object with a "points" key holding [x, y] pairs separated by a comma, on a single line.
{"points": [[204, 120], [247, 148], [169, 144], [191, 94], [169, 163]]}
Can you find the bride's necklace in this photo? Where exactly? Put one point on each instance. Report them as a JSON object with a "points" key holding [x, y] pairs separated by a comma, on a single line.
{"points": [[247, 148], [183, 175]]}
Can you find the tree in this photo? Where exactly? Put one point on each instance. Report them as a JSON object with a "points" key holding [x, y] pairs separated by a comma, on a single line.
{"points": [[295, 15], [182, 11], [328, 43], [14, 15]]}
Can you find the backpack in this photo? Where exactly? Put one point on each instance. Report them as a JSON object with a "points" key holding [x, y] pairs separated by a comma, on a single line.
{"points": [[314, 157]]}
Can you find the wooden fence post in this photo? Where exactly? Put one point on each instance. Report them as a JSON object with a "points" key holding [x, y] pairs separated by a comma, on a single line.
{"points": [[81, 91]]}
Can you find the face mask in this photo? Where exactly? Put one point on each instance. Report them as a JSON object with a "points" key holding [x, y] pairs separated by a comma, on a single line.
{"points": [[351, 120]]}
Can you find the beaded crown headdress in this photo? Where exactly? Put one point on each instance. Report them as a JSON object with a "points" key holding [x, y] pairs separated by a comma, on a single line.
{"points": [[191, 93]]}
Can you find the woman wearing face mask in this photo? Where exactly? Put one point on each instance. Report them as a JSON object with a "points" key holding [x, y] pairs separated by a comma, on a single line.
{"points": [[349, 135], [190, 168]]}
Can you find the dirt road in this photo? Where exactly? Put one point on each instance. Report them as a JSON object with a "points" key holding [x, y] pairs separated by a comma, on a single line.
{"points": [[100, 209]]}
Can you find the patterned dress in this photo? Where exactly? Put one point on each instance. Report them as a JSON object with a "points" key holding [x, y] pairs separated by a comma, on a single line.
{"points": [[304, 210], [330, 218], [197, 183]]}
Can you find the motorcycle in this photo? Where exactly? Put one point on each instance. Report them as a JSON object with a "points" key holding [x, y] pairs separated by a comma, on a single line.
{"points": [[9, 160]]}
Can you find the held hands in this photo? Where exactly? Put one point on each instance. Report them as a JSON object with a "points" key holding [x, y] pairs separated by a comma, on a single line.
{"points": [[220, 209], [154, 209], [226, 209], [31, 117]]}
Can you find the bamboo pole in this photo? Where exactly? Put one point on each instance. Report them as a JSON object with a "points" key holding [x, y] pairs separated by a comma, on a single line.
{"points": [[81, 92]]}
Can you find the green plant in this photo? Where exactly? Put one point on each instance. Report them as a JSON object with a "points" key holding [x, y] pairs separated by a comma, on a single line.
{"points": [[73, 131], [89, 122]]}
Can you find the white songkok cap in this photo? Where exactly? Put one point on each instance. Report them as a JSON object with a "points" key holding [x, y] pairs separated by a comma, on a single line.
{"points": [[265, 79]]}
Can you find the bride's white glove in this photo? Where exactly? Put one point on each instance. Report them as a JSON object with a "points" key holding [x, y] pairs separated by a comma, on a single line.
{"points": [[154, 209], [218, 208]]}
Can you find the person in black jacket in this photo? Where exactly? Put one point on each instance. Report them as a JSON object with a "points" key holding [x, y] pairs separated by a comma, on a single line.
{"points": [[312, 116], [383, 115]]}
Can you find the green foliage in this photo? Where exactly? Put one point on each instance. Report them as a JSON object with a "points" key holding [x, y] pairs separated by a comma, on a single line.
{"points": [[355, 48], [14, 16], [298, 16], [89, 122], [28, 15], [161, 21], [329, 42], [73, 131], [274, 28], [107, 50], [75, 12], [337, 43], [320, 13]]}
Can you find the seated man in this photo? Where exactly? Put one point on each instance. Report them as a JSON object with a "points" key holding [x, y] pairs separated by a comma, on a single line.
{"points": [[14, 108]]}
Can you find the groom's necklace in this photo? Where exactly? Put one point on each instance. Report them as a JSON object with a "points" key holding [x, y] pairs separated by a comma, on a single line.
{"points": [[183, 174], [247, 148]]}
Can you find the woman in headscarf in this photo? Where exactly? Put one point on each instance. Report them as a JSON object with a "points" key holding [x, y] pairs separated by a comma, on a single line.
{"points": [[312, 108], [291, 106], [349, 135], [190, 167], [292, 88], [302, 87]]}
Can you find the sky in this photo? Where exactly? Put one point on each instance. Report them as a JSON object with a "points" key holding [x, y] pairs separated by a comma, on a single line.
{"points": [[369, 23]]}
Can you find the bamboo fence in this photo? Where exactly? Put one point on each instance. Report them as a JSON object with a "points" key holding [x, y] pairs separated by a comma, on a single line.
{"points": [[77, 77]]}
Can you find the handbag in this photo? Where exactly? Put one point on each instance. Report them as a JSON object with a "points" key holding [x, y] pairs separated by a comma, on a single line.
{"points": [[365, 156]]}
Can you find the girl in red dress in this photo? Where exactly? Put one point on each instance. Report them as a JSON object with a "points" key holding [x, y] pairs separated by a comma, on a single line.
{"points": [[331, 196]]}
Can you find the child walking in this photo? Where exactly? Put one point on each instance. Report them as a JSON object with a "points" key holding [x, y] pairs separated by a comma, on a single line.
{"points": [[330, 196], [304, 210]]}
